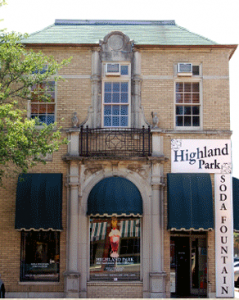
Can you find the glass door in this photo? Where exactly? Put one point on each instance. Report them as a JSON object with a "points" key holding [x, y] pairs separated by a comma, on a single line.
{"points": [[188, 265], [198, 266]]}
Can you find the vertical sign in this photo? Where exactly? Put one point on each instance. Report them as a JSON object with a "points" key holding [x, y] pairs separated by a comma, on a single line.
{"points": [[224, 236]]}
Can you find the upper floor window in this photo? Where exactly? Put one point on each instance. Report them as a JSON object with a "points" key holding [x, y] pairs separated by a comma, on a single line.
{"points": [[188, 104], [43, 110], [116, 96], [188, 110]]}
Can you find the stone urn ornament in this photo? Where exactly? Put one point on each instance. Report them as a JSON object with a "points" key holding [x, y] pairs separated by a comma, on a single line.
{"points": [[155, 120], [74, 120]]}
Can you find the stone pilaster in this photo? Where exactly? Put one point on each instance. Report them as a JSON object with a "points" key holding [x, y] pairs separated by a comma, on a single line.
{"points": [[72, 274], [95, 87], [157, 275]]}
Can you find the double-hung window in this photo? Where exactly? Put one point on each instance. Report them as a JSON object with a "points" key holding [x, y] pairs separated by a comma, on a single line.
{"points": [[188, 104], [116, 98], [43, 109]]}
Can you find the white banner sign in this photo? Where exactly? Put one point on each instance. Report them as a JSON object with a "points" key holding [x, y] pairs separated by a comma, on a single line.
{"points": [[224, 236], [201, 156]]}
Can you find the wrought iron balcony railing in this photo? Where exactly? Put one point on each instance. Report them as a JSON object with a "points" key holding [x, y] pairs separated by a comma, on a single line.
{"points": [[115, 142]]}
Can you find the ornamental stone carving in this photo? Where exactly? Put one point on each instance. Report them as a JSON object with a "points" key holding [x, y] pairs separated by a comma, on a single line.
{"points": [[116, 46]]}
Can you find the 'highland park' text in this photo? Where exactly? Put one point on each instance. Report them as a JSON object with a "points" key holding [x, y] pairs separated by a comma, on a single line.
{"points": [[200, 155]]}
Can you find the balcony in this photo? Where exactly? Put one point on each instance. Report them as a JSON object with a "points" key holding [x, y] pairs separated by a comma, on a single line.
{"points": [[115, 142]]}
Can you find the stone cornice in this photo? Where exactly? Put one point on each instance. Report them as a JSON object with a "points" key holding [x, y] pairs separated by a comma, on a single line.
{"points": [[156, 159], [197, 132]]}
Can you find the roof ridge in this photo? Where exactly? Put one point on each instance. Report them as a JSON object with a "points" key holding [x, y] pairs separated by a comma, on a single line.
{"points": [[197, 34], [113, 22]]}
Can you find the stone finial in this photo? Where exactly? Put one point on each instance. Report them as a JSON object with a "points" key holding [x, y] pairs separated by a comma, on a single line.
{"points": [[74, 120], [155, 119]]}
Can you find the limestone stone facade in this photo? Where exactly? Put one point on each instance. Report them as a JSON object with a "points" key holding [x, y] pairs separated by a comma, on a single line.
{"points": [[152, 81]]}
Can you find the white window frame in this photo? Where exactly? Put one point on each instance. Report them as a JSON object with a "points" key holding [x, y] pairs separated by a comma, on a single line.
{"points": [[191, 79], [121, 78], [30, 102]]}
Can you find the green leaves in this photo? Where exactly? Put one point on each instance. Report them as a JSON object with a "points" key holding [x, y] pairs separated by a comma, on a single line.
{"points": [[22, 144]]}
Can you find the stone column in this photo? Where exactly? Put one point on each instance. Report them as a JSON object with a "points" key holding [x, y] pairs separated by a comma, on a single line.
{"points": [[72, 275], [157, 276]]}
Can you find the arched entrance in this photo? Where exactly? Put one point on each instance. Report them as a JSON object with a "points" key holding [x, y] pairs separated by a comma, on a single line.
{"points": [[115, 209]]}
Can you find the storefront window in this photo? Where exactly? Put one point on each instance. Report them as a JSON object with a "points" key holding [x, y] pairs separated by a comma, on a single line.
{"points": [[40, 256], [115, 249]]}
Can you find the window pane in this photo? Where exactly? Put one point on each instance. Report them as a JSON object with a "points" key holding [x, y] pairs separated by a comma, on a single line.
{"points": [[124, 98], [196, 121], [179, 121], [115, 249], [42, 108], [50, 108], [187, 121], [195, 110], [116, 98], [115, 121], [187, 87], [187, 98], [124, 87], [107, 121], [124, 110], [195, 98], [196, 87], [115, 110], [107, 110], [107, 86], [107, 97], [40, 256], [42, 118], [34, 108], [179, 110], [179, 98], [187, 110], [124, 70], [116, 87], [124, 121], [50, 119], [179, 87], [195, 70]]}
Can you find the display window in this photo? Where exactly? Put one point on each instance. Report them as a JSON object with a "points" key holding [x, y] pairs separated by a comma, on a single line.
{"points": [[40, 255], [115, 249]]}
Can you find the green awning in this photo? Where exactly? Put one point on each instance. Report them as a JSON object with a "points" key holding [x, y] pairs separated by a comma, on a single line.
{"points": [[115, 196], [190, 202], [39, 202], [235, 184]]}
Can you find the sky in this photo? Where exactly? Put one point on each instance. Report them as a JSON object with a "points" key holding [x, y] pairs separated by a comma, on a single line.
{"points": [[217, 20]]}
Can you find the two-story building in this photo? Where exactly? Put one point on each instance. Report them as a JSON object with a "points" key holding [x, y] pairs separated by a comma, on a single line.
{"points": [[127, 209]]}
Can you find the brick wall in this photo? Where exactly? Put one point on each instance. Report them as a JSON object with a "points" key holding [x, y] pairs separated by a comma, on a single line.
{"points": [[118, 290]]}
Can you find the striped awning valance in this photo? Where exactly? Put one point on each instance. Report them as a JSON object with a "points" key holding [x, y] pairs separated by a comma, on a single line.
{"points": [[128, 228]]}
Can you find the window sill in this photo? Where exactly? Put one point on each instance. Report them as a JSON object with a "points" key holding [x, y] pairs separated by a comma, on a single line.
{"points": [[38, 283], [199, 131]]}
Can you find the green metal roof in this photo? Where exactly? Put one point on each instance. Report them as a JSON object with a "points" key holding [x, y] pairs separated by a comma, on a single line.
{"points": [[141, 32]]}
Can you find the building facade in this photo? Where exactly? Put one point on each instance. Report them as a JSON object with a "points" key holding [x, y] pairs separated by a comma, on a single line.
{"points": [[111, 214]]}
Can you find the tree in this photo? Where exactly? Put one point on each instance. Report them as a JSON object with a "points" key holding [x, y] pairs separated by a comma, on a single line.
{"points": [[22, 143]]}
